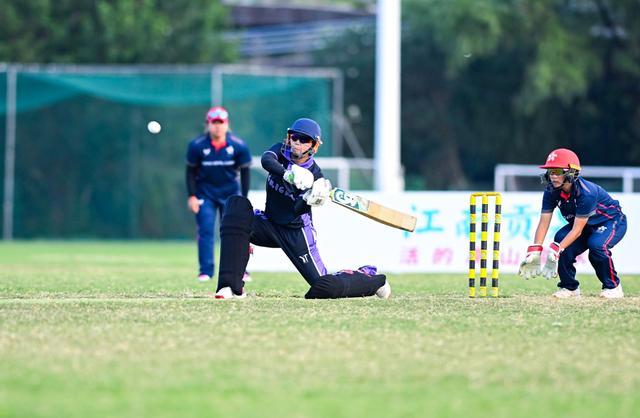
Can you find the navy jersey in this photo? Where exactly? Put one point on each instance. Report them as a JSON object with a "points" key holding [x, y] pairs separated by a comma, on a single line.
{"points": [[586, 200], [284, 204], [218, 170]]}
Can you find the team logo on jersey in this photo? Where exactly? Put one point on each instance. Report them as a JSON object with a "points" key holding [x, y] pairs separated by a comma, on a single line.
{"points": [[601, 229], [206, 151], [229, 150], [282, 189]]}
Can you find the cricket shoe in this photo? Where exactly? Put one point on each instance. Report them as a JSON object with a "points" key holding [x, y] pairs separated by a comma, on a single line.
{"points": [[227, 293], [246, 277], [615, 293], [204, 278], [566, 293], [384, 292]]}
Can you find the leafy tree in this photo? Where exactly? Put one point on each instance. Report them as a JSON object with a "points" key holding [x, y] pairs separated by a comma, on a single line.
{"points": [[115, 31], [504, 82]]}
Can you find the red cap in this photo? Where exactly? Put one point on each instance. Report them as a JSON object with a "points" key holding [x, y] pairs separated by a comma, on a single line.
{"points": [[217, 113]]}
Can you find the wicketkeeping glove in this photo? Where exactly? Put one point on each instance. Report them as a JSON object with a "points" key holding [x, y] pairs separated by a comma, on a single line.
{"points": [[550, 268], [530, 266], [299, 177], [319, 193]]}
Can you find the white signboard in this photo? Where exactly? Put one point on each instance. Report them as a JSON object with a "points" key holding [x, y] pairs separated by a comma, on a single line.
{"points": [[441, 240]]}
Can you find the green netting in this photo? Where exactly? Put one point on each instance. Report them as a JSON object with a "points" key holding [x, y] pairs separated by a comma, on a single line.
{"points": [[276, 103], [87, 167], [171, 90]]}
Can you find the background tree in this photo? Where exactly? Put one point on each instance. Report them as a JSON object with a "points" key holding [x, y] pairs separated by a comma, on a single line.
{"points": [[483, 82], [115, 31], [504, 82]]}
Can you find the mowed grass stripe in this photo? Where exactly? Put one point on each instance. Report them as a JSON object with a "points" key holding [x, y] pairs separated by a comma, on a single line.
{"points": [[93, 337]]}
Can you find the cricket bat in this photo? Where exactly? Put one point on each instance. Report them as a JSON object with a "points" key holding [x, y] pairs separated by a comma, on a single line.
{"points": [[373, 210]]}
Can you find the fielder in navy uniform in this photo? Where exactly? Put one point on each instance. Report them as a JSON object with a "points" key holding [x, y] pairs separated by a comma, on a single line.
{"points": [[595, 223], [294, 185], [217, 168]]}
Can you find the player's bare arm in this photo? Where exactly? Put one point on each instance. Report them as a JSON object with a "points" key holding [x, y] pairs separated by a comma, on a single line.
{"points": [[576, 231], [543, 228]]}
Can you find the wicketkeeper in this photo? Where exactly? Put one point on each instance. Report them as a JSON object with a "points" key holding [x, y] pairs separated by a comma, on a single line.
{"points": [[595, 223], [295, 184]]}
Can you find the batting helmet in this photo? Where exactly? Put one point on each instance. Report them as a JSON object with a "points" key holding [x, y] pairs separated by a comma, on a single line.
{"points": [[562, 158], [306, 127]]}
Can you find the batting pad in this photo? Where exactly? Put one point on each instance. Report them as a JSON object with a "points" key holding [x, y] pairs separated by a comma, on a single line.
{"points": [[235, 231], [345, 284]]}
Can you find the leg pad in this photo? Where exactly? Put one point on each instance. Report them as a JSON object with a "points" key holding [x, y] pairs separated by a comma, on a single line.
{"points": [[345, 284], [235, 232]]}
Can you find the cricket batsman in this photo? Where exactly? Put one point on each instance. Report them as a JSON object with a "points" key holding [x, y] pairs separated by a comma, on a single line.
{"points": [[595, 223], [295, 184]]}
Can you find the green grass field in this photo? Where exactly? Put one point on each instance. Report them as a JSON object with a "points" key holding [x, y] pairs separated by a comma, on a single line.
{"points": [[124, 330]]}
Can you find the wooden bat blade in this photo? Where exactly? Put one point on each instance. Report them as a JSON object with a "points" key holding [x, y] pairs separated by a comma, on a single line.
{"points": [[373, 210]]}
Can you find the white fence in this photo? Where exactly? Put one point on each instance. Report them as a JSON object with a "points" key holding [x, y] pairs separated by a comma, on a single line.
{"points": [[342, 166], [505, 175], [441, 240]]}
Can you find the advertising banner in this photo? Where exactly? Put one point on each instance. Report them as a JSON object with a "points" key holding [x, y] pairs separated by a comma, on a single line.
{"points": [[440, 242]]}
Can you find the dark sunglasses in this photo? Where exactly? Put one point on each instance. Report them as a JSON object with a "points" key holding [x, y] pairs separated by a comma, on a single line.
{"points": [[557, 171], [301, 138]]}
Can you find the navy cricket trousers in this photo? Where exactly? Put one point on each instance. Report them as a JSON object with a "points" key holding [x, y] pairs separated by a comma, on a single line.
{"points": [[206, 220], [299, 244], [598, 239]]}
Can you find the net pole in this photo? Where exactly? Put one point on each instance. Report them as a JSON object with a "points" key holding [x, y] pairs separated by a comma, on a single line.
{"points": [[216, 86], [338, 112], [9, 155], [388, 174]]}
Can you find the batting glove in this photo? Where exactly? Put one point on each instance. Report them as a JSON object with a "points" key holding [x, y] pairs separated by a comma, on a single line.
{"points": [[299, 177], [530, 266], [550, 268], [319, 193]]}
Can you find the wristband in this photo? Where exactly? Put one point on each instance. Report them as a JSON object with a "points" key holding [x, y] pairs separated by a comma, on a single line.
{"points": [[556, 247]]}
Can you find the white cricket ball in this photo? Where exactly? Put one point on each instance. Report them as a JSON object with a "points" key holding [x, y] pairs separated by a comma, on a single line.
{"points": [[154, 127]]}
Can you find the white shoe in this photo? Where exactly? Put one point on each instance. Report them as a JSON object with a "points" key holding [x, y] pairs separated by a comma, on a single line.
{"points": [[566, 293], [384, 292], [246, 277], [204, 278], [615, 293], [226, 293]]}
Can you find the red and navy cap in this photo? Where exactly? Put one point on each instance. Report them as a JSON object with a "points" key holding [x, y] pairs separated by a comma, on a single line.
{"points": [[217, 113]]}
